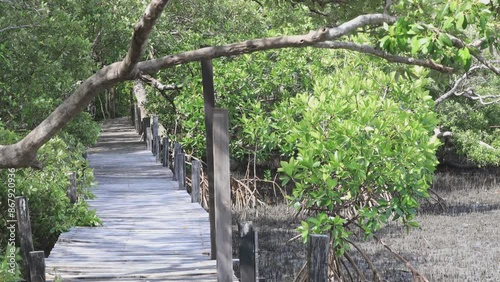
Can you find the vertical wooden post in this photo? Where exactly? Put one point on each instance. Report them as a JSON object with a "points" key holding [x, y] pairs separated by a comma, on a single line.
{"points": [[317, 258], [37, 266], [177, 150], [133, 114], [149, 139], [157, 148], [139, 120], [154, 131], [222, 195], [209, 104], [146, 123], [195, 181], [165, 152], [181, 171], [248, 252], [24, 231], [71, 190]]}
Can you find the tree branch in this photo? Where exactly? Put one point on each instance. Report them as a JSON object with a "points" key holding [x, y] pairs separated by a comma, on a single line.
{"points": [[157, 84], [456, 84], [458, 43], [141, 33], [366, 49], [471, 94], [250, 46], [23, 153], [162, 88], [18, 27]]}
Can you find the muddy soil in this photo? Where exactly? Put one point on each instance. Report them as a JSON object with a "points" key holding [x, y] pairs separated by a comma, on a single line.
{"points": [[458, 240]]}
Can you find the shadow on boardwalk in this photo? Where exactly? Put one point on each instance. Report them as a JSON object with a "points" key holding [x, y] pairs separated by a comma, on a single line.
{"points": [[151, 231]]}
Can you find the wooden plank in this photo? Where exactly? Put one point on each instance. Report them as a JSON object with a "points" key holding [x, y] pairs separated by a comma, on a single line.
{"points": [[222, 195], [208, 105], [151, 231]]}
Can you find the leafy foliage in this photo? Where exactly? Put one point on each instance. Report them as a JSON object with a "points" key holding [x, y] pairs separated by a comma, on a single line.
{"points": [[364, 152]]}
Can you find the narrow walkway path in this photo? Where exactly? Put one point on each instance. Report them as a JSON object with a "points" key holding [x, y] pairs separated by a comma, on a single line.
{"points": [[151, 231]]}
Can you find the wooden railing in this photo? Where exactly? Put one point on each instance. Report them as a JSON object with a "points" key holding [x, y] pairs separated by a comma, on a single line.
{"points": [[317, 248], [34, 261]]}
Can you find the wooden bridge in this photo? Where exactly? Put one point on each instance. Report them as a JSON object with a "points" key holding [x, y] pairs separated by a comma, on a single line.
{"points": [[151, 231]]}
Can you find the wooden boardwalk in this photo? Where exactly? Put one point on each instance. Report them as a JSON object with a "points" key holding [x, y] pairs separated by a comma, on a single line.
{"points": [[151, 231]]}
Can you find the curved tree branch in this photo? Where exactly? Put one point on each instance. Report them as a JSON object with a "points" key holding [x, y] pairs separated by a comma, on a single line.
{"points": [[455, 86], [162, 88], [23, 153], [250, 46], [11, 27], [141, 33]]}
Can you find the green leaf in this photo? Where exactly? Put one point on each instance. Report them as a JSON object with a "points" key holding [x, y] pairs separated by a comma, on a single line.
{"points": [[461, 22], [445, 39]]}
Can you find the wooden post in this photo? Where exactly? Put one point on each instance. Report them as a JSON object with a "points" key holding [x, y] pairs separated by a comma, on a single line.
{"points": [[181, 171], [25, 235], [71, 191], [136, 124], [37, 266], [139, 120], [195, 181], [146, 123], [177, 150], [165, 152], [133, 114], [154, 131], [149, 136], [222, 195], [317, 258], [248, 252], [157, 148], [209, 104]]}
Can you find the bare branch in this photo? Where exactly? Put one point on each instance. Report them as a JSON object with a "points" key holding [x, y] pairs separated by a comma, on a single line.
{"points": [[18, 27], [162, 88], [456, 84], [157, 84], [471, 94], [366, 49], [417, 275], [141, 33]]}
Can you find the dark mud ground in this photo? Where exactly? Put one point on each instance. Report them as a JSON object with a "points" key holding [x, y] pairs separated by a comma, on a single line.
{"points": [[456, 242]]}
